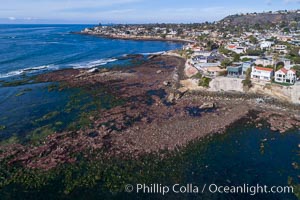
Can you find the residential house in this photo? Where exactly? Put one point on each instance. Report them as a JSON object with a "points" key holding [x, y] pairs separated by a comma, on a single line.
{"points": [[264, 45], [171, 34], [202, 67], [215, 71], [280, 48], [285, 76], [285, 61], [236, 48], [253, 58], [188, 46], [284, 38], [265, 61], [246, 66], [212, 58], [202, 53], [234, 70], [199, 59], [262, 73], [295, 42]]}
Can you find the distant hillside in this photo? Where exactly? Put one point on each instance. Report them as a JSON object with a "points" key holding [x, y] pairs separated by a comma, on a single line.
{"points": [[276, 18]]}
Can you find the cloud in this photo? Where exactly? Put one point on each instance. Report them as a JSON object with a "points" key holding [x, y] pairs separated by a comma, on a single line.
{"points": [[269, 2], [132, 11], [74, 10], [50, 6], [291, 1], [89, 10], [12, 18], [119, 11], [78, 4], [29, 18]]}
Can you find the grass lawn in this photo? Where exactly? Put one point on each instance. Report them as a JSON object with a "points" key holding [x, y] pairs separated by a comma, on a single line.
{"points": [[283, 84]]}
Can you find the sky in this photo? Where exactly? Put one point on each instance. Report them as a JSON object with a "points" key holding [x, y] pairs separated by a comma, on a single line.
{"points": [[132, 11]]}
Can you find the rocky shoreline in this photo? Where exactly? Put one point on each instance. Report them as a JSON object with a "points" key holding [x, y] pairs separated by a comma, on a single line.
{"points": [[157, 115], [135, 37]]}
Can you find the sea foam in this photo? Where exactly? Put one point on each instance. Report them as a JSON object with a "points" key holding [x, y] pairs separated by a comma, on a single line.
{"points": [[92, 64], [28, 70]]}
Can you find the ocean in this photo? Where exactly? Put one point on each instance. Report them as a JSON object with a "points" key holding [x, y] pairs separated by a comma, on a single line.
{"points": [[30, 111], [26, 49]]}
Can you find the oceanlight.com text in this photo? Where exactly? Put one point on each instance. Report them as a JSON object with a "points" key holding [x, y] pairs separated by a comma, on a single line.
{"points": [[211, 188]]}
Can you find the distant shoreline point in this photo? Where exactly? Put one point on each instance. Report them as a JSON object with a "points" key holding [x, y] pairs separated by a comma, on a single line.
{"points": [[136, 38]]}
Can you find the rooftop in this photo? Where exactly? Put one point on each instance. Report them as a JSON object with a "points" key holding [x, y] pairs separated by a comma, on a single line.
{"points": [[263, 69]]}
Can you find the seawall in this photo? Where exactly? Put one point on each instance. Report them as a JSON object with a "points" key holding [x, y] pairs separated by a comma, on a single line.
{"points": [[290, 94]]}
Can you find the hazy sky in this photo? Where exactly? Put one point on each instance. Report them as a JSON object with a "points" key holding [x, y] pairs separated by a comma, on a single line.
{"points": [[132, 11]]}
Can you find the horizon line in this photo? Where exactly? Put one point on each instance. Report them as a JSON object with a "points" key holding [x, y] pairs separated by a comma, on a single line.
{"points": [[106, 23]]}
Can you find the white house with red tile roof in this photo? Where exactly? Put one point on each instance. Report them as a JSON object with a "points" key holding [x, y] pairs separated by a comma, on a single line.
{"points": [[236, 48], [262, 73], [285, 76]]}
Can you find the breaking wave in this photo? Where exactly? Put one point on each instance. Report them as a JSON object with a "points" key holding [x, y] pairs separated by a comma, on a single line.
{"points": [[28, 70], [154, 53], [83, 65], [92, 64]]}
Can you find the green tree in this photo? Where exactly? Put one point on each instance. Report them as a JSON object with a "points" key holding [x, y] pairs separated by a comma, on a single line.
{"points": [[246, 59], [247, 82], [297, 69], [286, 30], [163, 36], [236, 58], [275, 60], [255, 52], [226, 62], [294, 25], [279, 66], [224, 51], [204, 82], [253, 39]]}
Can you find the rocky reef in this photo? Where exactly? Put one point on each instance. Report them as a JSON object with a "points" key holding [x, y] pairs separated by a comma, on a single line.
{"points": [[155, 114]]}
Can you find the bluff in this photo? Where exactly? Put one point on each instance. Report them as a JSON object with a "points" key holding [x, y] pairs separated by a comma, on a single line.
{"points": [[269, 18]]}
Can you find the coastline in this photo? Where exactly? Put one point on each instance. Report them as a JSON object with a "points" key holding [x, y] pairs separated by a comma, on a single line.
{"points": [[155, 116], [95, 115], [135, 38], [150, 128]]}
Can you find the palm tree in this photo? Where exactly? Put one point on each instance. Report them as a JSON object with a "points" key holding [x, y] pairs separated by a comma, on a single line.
{"points": [[275, 60]]}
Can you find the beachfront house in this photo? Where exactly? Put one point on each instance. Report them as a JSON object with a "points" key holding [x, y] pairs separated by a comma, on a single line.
{"points": [[202, 67], [262, 73], [215, 71], [234, 70], [285, 76], [246, 66]]}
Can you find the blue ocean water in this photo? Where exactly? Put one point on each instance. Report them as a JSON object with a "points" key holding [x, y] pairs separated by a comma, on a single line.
{"points": [[243, 155], [29, 48]]}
